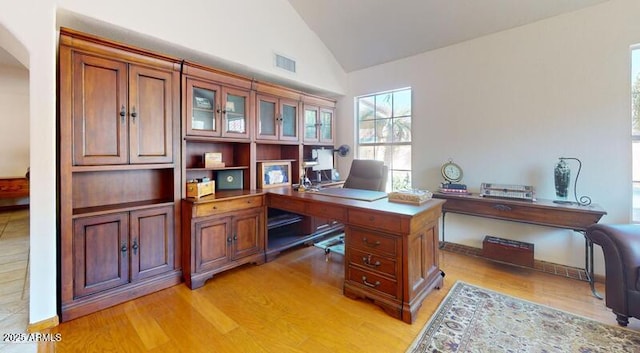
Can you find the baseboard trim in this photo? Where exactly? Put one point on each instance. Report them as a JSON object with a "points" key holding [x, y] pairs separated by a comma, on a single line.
{"points": [[43, 325]]}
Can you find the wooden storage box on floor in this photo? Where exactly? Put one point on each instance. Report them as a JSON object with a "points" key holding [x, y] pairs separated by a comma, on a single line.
{"points": [[505, 250]]}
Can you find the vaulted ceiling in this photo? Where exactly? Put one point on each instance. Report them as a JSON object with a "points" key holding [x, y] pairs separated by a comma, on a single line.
{"points": [[364, 33]]}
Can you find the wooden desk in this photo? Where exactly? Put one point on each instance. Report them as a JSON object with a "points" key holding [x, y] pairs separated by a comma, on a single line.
{"points": [[391, 249], [540, 212]]}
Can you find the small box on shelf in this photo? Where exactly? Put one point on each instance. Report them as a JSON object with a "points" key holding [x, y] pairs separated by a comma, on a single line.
{"points": [[213, 160], [197, 189]]}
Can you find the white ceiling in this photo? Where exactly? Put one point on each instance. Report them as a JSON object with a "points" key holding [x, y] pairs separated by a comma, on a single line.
{"points": [[364, 33]]}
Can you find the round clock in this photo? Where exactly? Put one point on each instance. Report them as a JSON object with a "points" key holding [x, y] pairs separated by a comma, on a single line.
{"points": [[451, 172]]}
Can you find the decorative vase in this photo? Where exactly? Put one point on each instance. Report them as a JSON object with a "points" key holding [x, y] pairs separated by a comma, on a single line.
{"points": [[562, 174]]}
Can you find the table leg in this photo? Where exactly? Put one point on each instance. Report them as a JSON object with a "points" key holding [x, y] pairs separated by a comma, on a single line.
{"points": [[588, 265], [441, 245]]}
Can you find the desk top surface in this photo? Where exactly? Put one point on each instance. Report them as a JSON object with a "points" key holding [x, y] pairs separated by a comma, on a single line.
{"points": [[381, 204]]}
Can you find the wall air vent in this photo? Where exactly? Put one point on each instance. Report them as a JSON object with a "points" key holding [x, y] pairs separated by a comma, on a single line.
{"points": [[285, 63]]}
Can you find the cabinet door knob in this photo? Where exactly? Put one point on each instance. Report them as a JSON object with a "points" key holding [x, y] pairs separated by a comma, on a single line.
{"points": [[133, 113], [123, 114], [135, 246], [123, 248], [229, 240]]}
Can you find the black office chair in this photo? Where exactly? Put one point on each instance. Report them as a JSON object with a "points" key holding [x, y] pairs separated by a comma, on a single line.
{"points": [[367, 174]]}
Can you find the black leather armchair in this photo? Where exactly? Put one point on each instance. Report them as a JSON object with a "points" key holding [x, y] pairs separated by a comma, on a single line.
{"points": [[367, 174], [621, 247]]}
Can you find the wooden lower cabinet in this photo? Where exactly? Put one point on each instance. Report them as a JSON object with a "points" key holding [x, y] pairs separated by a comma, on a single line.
{"points": [[120, 256], [219, 241]]}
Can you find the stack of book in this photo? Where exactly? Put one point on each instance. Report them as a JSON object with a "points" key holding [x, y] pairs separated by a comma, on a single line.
{"points": [[452, 188]]}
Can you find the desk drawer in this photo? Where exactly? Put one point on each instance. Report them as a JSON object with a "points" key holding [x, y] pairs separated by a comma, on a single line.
{"points": [[217, 207], [374, 220], [373, 282], [327, 211], [372, 242], [557, 216], [286, 203], [373, 262]]}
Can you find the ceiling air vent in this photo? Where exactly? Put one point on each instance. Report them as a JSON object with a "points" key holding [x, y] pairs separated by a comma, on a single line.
{"points": [[285, 63]]}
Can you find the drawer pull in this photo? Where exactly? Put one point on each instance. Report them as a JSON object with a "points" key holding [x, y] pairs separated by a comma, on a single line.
{"points": [[500, 207], [366, 242], [367, 261], [215, 207], [369, 284]]}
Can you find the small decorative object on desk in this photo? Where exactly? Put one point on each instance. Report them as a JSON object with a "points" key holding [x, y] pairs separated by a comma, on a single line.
{"points": [[412, 196], [453, 188]]}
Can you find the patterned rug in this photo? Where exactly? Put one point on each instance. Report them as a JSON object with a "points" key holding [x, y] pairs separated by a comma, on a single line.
{"points": [[473, 319]]}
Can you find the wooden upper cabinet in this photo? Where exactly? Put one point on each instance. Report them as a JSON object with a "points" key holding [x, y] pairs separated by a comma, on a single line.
{"points": [[318, 124], [216, 111], [277, 118], [122, 113], [100, 104], [150, 115]]}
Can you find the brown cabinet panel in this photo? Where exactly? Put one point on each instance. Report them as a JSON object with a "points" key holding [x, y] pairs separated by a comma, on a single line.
{"points": [[151, 115], [247, 234], [99, 109], [101, 253], [152, 248], [211, 238]]}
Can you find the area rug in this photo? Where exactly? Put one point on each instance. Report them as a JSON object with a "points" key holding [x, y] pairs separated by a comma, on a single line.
{"points": [[473, 319]]}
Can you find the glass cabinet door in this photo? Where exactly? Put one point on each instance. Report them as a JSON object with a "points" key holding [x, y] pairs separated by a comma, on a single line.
{"points": [[235, 113], [326, 125], [310, 124], [267, 115], [203, 105], [288, 120]]}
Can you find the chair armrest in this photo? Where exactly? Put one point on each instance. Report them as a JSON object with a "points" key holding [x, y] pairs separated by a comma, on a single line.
{"points": [[621, 247]]}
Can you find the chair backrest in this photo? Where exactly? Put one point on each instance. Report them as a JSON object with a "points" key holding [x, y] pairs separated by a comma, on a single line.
{"points": [[367, 174]]}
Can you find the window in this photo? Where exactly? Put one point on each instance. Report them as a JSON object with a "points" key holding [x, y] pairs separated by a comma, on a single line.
{"points": [[384, 133], [635, 130]]}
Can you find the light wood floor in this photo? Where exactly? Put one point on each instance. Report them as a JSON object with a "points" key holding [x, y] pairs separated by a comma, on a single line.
{"points": [[14, 279], [295, 304]]}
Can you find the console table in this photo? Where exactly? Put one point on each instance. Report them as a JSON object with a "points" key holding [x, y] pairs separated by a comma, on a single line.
{"points": [[539, 212]]}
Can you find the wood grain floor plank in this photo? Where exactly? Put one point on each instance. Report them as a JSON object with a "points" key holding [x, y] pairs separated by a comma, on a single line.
{"points": [[295, 304]]}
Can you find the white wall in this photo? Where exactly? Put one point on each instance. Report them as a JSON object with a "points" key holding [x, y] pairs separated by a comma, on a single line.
{"points": [[14, 121], [243, 34], [240, 34], [506, 106]]}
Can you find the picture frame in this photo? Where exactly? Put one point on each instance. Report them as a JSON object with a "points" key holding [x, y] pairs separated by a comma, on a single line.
{"points": [[274, 174]]}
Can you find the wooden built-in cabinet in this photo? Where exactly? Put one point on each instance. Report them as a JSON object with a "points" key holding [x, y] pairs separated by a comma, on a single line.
{"points": [[221, 233], [133, 128], [118, 248], [119, 173], [277, 118], [122, 113], [319, 122], [218, 112]]}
